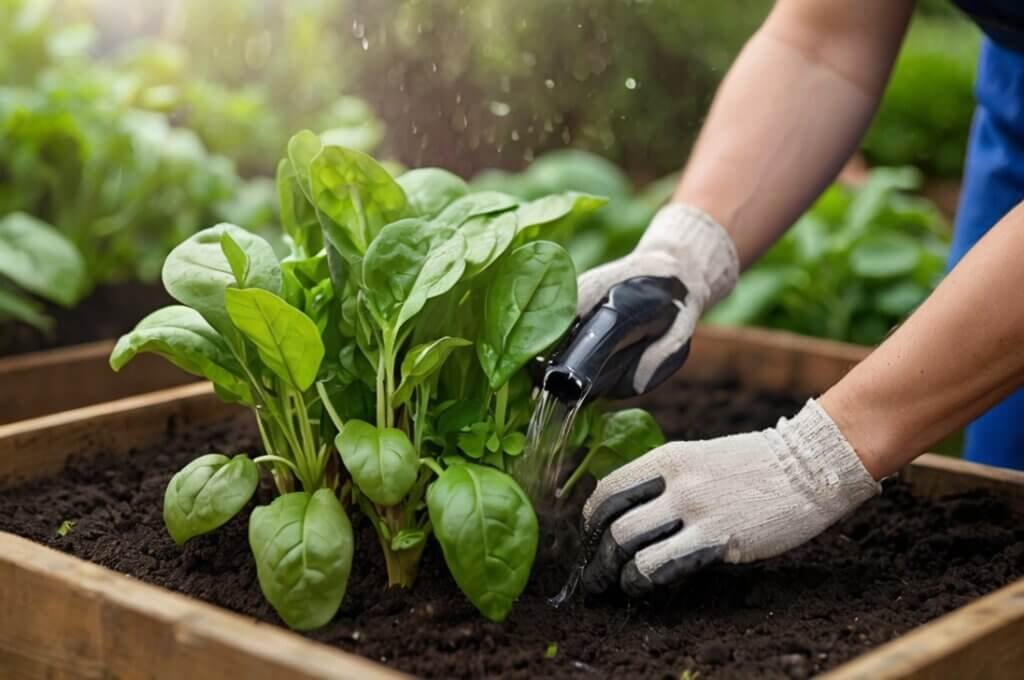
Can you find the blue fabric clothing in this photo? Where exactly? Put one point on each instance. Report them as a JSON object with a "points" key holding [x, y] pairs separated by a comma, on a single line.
{"points": [[994, 184]]}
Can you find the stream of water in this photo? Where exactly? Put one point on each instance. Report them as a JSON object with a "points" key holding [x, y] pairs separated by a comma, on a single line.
{"points": [[539, 471]]}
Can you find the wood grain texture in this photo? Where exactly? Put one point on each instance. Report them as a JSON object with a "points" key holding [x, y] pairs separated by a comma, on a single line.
{"points": [[934, 475], [78, 620], [40, 446], [771, 360], [69, 619], [51, 381]]}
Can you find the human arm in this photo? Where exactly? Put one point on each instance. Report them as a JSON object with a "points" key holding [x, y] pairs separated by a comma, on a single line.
{"points": [[790, 112], [756, 495], [959, 354], [787, 115]]}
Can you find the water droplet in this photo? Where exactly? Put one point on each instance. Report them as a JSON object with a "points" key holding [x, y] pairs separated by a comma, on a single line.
{"points": [[500, 109], [550, 84], [366, 44], [631, 83], [515, 135]]}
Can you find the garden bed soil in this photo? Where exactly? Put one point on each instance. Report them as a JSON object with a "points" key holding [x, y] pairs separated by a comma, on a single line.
{"points": [[108, 312], [901, 561]]}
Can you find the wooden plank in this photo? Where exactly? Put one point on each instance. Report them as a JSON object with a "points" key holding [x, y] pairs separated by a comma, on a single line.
{"points": [[934, 475], [771, 360], [70, 619], [40, 446], [985, 639], [50, 381], [80, 620]]}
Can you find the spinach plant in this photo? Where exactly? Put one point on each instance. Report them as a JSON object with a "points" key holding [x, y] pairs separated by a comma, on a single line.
{"points": [[36, 260], [856, 264], [384, 359], [601, 236]]}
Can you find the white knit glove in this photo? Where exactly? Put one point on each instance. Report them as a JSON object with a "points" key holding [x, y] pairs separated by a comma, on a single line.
{"points": [[734, 499], [682, 242]]}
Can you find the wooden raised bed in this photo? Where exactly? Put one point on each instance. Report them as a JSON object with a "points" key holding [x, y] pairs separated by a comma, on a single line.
{"points": [[55, 380], [73, 619]]}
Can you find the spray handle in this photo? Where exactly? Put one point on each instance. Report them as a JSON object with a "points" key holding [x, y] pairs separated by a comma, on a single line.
{"points": [[600, 354]]}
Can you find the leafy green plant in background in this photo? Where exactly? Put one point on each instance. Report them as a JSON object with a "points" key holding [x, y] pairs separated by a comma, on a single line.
{"points": [[856, 264], [936, 65], [241, 122], [91, 190], [601, 236], [36, 260], [385, 361]]}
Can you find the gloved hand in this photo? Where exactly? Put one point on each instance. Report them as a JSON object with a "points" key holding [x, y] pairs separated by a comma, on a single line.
{"points": [[734, 499], [682, 242]]}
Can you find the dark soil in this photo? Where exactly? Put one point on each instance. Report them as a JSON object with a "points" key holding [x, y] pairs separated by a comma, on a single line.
{"points": [[107, 313], [898, 563]]}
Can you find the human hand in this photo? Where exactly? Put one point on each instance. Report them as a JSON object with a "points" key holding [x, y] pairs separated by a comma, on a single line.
{"points": [[733, 499], [681, 242]]}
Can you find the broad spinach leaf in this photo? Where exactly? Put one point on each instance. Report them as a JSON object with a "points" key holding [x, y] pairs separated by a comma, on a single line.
{"points": [[622, 437], [206, 493], [410, 262], [41, 260], [356, 193], [431, 190], [382, 461], [303, 547], [488, 532], [183, 337], [197, 273], [287, 340], [529, 306]]}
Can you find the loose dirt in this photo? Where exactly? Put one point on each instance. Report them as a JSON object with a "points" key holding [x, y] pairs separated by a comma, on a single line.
{"points": [[897, 563]]}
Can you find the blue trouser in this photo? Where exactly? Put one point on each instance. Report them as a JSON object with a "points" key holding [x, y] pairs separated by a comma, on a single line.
{"points": [[993, 184]]}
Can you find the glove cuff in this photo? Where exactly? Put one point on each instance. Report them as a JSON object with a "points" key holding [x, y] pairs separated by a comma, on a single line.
{"points": [[709, 264], [819, 459]]}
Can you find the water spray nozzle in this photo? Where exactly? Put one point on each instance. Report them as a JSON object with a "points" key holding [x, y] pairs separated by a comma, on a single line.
{"points": [[600, 354]]}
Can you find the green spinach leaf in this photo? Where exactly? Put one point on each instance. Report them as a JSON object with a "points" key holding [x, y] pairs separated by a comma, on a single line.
{"points": [[197, 273], [431, 190], [303, 547], [41, 260], [183, 337], [287, 340], [382, 461], [488, 532], [530, 305], [206, 493]]}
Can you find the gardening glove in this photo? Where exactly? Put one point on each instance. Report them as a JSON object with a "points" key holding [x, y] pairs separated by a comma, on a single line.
{"points": [[683, 242], [733, 499]]}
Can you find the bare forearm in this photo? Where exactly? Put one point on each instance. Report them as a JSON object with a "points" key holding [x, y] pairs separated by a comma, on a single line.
{"points": [[961, 352], [789, 114]]}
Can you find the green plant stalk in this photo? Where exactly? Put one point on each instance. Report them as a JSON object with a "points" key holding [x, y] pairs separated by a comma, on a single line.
{"points": [[402, 565], [578, 473]]}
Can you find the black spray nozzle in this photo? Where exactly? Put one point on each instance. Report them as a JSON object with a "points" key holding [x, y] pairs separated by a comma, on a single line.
{"points": [[599, 355]]}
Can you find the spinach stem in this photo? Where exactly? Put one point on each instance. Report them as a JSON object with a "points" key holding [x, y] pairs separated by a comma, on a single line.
{"points": [[578, 473], [500, 409], [433, 465], [276, 459], [329, 407]]}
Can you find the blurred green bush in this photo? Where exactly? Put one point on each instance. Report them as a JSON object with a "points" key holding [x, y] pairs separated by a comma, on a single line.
{"points": [[925, 116], [851, 268], [92, 189]]}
